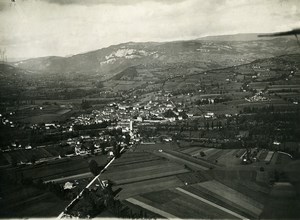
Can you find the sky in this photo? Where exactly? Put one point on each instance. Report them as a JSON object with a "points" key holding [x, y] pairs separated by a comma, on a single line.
{"points": [[36, 28]]}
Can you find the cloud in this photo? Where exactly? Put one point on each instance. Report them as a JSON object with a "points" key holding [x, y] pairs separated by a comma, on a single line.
{"points": [[8, 4], [33, 28], [112, 2], [5, 5]]}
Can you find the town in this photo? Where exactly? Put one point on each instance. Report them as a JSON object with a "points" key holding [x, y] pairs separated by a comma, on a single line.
{"points": [[149, 109], [193, 133]]}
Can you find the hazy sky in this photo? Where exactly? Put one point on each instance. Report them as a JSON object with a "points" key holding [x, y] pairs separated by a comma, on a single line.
{"points": [[33, 28]]}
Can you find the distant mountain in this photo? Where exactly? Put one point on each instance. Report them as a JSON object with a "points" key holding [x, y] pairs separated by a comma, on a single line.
{"points": [[204, 53], [12, 81], [240, 37], [127, 74], [8, 71]]}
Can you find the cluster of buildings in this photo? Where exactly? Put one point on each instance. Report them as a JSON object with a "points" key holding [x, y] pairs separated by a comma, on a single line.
{"points": [[6, 122], [152, 111], [257, 98]]}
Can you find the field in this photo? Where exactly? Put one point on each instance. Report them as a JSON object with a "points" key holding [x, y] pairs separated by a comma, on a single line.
{"points": [[43, 205], [134, 158], [138, 184], [155, 147], [131, 189], [280, 159], [26, 155], [187, 162], [239, 173], [25, 201], [167, 189], [184, 158], [43, 113], [4, 160], [144, 173], [208, 199], [159, 183], [122, 85], [138, 172], [139, 166], [56, 169], [232, 157]]}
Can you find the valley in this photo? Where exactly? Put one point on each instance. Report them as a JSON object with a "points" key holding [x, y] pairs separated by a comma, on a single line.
{"points": [[196, 121]]}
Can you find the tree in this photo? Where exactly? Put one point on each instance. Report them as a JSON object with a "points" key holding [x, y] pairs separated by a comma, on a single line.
{"points": [[207, 126], [102, 145], [127, 139], [85, 104], [169, 114], [99, 84], [92, 148], [116, 149], [27, 181], [94, 167], [33, 159], [85, 207], [219, 125], [14, 162]]}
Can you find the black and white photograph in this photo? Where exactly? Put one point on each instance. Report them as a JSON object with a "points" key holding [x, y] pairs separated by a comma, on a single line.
{"points": [[150, 109]]}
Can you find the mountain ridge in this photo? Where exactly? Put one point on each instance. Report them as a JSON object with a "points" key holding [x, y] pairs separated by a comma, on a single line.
{"points": [[241, 37], [207, 50]]}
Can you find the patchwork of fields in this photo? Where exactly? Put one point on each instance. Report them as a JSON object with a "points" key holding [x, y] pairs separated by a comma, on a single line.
{"points": [[63, 168], [138, 172], [208, 199], [232, 157], [168, 183], [25, 201], [27, 155], [47, 113], [164, 184]]}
